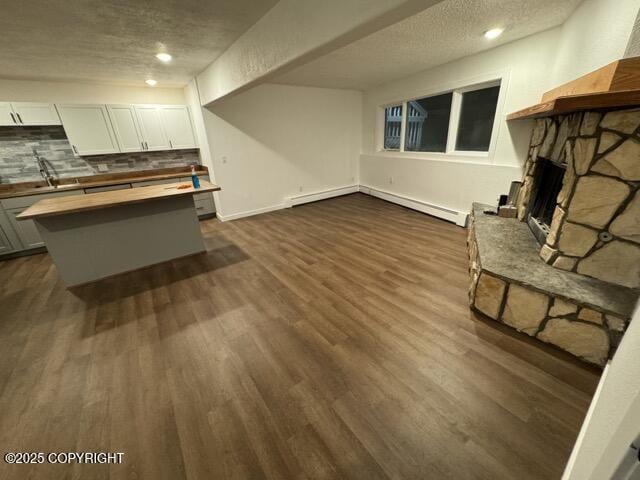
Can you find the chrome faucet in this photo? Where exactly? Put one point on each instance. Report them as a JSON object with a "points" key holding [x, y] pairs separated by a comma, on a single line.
{"points": [[44, 170]]}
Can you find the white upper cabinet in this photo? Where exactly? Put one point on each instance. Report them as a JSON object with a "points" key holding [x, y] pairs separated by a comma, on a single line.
{"points": [[103, 129], [88, 128], [29, 113], [178, 126], [125, 126], [150, 123], [7, 117]]}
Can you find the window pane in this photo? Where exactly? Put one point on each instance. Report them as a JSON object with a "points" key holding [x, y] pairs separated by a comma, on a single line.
{"points": [[476, 119], [428, 124], [392, 125]]}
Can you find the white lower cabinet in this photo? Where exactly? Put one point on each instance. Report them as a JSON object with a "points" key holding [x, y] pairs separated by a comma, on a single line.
{"points": [[26, 230], [8, 240], [22, 234], [203, 201], [5, 246]]}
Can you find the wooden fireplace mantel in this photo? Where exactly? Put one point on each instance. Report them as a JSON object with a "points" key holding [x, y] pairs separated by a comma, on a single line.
{"points": [[614, 85]]}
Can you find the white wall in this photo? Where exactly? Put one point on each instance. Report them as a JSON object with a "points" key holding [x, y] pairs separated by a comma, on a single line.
{"points": [[597, 33], [276, 141], [456, 183], [192, 99], [63, 92], [613, 421]]}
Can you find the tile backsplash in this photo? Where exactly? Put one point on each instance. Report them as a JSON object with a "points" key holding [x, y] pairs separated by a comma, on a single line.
{"points": [[17, 163]]}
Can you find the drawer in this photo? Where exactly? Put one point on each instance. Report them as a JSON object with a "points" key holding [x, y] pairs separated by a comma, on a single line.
{"points": [[107, 188], [203, 196], [149, 183], [205, 206], [28, 200]]}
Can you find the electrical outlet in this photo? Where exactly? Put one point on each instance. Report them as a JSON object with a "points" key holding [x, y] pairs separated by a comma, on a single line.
{"points": [[390, 179], [102, 167], [224, 159]]}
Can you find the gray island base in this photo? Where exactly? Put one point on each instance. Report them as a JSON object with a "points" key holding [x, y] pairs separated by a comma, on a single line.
{"points": [[94, 238]]}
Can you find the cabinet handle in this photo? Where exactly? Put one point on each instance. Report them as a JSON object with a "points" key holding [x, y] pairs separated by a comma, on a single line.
{"points": [[13, 118], [170, 144], [75, 150], [19, 118], [142, 145], [146, 146]]}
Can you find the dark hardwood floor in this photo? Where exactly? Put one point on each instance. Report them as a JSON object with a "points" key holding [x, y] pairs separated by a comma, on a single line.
{"points": [[332, 340]]}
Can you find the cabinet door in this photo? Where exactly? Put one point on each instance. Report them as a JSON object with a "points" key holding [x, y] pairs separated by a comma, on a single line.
{"points": [[125, 127], [26, 230], [88, 129], [7, 117], [150, 122], [29, 113], [5, 245], [177, 125]]}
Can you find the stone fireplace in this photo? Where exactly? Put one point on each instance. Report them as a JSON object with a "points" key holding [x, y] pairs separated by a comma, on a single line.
{"points": [[567, 270], [547, 183], [595, 224]]}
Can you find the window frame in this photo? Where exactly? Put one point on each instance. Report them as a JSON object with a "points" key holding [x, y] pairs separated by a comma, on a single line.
{"points": [[450, 153], [402, 106]]}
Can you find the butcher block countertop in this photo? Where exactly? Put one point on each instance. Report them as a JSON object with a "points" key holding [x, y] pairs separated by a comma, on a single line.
{"points": [[94, 201], [10, 190]]}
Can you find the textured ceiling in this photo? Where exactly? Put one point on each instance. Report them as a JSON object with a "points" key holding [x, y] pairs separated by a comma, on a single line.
{"points": [[115, 41], [445, 32]]}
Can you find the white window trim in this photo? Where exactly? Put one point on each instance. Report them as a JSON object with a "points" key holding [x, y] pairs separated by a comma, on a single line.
{"points": [[478, 83]]}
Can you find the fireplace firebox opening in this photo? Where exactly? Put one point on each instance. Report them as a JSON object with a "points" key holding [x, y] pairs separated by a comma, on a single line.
{"points": [[547, 186]]}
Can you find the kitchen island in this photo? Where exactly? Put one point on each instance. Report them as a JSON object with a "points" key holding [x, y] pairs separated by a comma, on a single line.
{"points": [[102, 234]]}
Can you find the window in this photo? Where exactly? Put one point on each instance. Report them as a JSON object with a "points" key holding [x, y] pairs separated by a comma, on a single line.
{"points": [[459, 122], [428, 124], [476, 119], [392, 127]]}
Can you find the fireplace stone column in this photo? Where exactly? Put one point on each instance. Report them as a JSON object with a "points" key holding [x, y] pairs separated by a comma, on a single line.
{"points": [[595, 229]]}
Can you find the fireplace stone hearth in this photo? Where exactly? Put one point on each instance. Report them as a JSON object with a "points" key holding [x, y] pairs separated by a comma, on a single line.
{"points": [[567, 270], [511, 284]]}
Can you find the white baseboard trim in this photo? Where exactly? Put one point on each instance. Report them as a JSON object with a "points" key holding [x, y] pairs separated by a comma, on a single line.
{"points": [[459, 218], [321, 195], [249, 213], [455, 216]]}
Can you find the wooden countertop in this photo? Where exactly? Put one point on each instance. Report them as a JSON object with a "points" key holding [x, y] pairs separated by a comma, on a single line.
{"points": [[11, 190], [94, 201]]}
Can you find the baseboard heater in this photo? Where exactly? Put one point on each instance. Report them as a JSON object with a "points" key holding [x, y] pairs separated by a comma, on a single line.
{"points": [[322, 195], [459, 218]]}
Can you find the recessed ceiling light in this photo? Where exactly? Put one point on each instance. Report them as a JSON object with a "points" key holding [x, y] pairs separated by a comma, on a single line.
{"points": [[164, 57], [493, 33], [151, 82]]}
